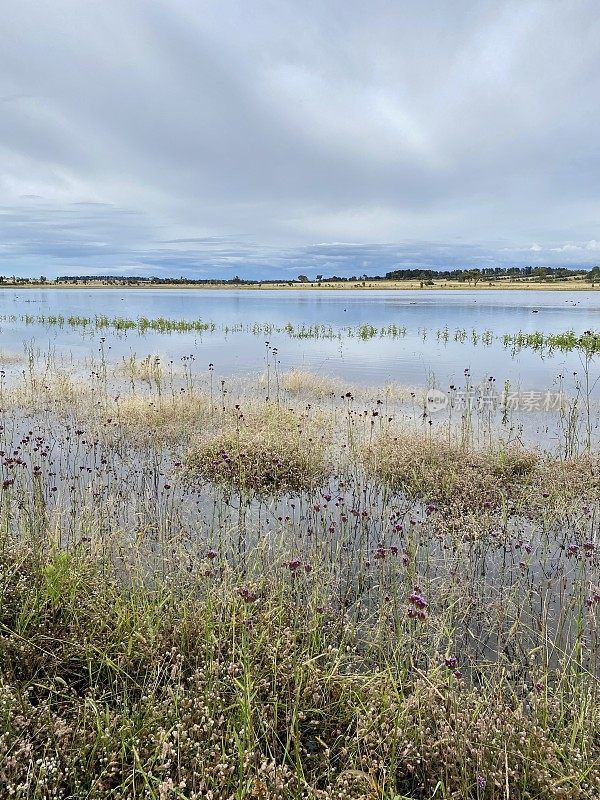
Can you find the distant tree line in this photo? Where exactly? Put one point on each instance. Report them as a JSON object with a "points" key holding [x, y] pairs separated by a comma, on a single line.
{"points": [[423, 276], [134, 280], [488, 273]]}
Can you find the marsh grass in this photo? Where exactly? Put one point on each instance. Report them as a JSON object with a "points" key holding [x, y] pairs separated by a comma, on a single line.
{"points": [[112, 690], [262, 450], [295, 620], [302, 382], [456, 477], [166, 419], [11, 357], [58, 391], [147, 369], [587, 342], [560, 486]]}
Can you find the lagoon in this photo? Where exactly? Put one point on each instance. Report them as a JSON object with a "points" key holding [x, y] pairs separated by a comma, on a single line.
{"points": [[443, 332]]}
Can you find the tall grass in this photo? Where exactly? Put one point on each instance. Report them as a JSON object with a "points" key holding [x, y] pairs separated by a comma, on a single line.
{"points": [[352, 604]]}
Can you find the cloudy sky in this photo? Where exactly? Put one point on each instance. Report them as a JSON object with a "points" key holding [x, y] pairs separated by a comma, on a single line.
{"points": [[266, 138]]}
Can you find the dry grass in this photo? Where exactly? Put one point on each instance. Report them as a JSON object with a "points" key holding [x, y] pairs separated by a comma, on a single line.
{"points": [[300, 382], [317, 387], [59, 391], [398, 393], [268, 450], [147, 370], [165, 419], [10, 357], [458, 479], [561, 486]]}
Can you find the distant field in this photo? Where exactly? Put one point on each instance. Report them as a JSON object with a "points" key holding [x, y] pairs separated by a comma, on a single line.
{"points": [[570, 284]]}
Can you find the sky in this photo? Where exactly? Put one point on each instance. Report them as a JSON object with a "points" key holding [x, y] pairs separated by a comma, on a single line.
{"points": [[265, 138]]}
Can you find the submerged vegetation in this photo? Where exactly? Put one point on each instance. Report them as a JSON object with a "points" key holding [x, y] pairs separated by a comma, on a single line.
{"points": [[295, 589], [588, 342]]}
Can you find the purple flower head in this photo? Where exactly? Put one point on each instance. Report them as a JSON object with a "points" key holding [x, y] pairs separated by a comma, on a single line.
{"points": [[417, 599], [590, 548], [248, 595], [593, 600], [418, 605]]}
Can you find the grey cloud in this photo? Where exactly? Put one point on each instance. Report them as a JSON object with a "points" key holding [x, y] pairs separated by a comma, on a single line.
{"points": [[185, 135]]}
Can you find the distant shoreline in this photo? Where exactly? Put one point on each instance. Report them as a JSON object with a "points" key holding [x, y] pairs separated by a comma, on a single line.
{"points": [[499, 285]]}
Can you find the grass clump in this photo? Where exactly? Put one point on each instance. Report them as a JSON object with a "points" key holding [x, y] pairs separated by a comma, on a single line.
{"points": [[165, 419], [588, 341], [11, 357], [298, 381], [456, 478], [148, 369], [561, 486], [273, 450]]}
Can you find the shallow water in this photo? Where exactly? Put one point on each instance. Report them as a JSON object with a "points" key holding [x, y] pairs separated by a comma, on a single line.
{"points": [[414, 359], [362, 539]]}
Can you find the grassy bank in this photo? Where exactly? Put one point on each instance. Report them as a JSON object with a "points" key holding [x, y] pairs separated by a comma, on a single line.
{"points": [[207, 594]]}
